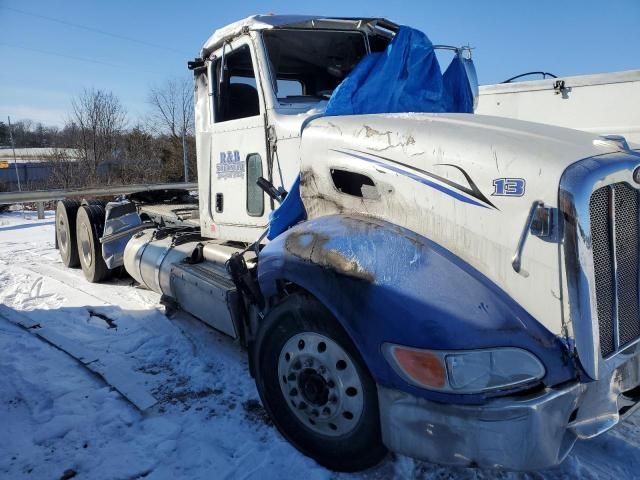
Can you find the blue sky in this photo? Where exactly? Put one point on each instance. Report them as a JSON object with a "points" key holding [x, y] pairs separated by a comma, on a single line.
{"points": [[38, 75]]}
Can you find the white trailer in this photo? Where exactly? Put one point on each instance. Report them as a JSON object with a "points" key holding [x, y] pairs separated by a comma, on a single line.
{"points": [[603, 103]]}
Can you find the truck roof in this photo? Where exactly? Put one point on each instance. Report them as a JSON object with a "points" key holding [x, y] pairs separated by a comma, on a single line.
{"points": [[263, 22]]}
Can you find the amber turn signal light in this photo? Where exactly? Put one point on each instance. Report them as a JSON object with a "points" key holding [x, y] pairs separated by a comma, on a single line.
{"points": [[421, 366]]}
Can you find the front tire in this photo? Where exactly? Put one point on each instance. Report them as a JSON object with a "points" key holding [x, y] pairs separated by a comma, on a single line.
{"points": [[316, 387], [89, 229]]}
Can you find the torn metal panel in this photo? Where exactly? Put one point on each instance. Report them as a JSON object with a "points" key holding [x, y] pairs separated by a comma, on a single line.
{"points": [[116, 372], [130, 383], [70, 346]]}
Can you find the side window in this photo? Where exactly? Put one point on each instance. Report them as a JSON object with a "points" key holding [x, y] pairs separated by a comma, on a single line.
{"points": [[289, 88], [255, 195], [236, 95]]}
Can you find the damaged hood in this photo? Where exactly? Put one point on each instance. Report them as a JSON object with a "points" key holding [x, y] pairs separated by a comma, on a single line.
{"points": [[449, 146], [466, 182], [485, 145]]}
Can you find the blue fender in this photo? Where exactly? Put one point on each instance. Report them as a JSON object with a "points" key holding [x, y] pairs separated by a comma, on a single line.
{"points": [[385, 283]]}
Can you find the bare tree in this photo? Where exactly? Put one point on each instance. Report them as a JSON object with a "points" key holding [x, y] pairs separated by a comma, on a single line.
{"points": [[65, 169], [99, 119], [142, 157], [171, 118], [27, 134], [172, 108]]}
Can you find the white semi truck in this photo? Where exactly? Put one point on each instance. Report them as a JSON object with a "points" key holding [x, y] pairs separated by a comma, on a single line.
{"points": [[454, 287]]}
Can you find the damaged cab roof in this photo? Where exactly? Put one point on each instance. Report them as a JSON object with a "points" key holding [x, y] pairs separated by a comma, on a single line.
{"points": [[264, 22]]}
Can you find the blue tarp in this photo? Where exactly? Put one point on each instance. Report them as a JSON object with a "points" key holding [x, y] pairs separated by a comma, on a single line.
{"points": [[406, 77], [290, 212]]}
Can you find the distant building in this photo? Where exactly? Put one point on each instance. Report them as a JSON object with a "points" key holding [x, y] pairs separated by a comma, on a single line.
{"points": [[34, 166]]}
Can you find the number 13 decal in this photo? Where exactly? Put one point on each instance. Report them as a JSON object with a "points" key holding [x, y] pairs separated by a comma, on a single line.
{"points": [[509, 187]]}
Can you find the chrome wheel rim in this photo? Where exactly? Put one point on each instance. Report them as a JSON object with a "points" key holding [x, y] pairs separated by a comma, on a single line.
{"points": [[63, 241], [85, 245], [321, 384]]}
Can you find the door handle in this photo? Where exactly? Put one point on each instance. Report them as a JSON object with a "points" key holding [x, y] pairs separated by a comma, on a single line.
{"points": [[219, 202]]}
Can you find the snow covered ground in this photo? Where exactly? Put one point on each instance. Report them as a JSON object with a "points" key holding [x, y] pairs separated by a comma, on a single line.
{"points": [[59, 419]]}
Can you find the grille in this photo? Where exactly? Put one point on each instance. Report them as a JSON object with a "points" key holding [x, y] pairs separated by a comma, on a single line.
{"points": [[614, 212]]}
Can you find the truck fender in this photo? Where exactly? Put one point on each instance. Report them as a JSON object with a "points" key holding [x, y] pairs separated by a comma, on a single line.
{"points": [[385, 283]]}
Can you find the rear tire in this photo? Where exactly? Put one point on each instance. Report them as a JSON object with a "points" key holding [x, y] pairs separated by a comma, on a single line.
{"points": [[89, 229], [66, 212], [316, 387]]}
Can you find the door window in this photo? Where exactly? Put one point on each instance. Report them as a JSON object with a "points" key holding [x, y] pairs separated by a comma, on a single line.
{"points": [[236, 95], [255, 195]]}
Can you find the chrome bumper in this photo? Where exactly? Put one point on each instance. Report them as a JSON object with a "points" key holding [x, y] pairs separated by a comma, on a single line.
{"points": [[516, 433]]}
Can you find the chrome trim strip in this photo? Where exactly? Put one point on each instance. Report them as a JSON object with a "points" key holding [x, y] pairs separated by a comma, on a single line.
{"points": [[638, 266], [158, 266], [614, 266]]}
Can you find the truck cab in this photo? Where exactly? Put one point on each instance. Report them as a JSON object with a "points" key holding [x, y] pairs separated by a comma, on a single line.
{"points": [[257, 82]]}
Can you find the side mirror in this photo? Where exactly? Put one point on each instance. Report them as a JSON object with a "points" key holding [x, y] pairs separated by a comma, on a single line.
{"points": [[197, 65], [465, 55]]}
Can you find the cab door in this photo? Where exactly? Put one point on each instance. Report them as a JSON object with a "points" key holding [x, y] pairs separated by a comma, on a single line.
{"points": [[239, 148]]}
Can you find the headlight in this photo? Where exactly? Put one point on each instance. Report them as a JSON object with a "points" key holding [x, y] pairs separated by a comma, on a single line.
{"points": [[464, 371]]}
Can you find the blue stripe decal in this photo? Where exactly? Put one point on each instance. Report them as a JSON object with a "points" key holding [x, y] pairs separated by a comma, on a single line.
{"points": [[417, 178]]}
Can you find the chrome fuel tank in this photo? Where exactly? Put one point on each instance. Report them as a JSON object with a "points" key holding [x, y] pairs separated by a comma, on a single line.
{"points": [[149, 260], [201, 287]]}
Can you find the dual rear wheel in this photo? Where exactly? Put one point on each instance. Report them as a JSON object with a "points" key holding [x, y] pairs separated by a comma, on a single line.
{"points": [[79, 227]]}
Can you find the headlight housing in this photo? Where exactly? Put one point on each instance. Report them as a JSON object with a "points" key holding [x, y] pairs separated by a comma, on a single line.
{"points": [[464, 371]]}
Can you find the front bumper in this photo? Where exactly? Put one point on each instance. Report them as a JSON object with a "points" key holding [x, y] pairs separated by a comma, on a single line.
{"points": [[517, 433]]}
